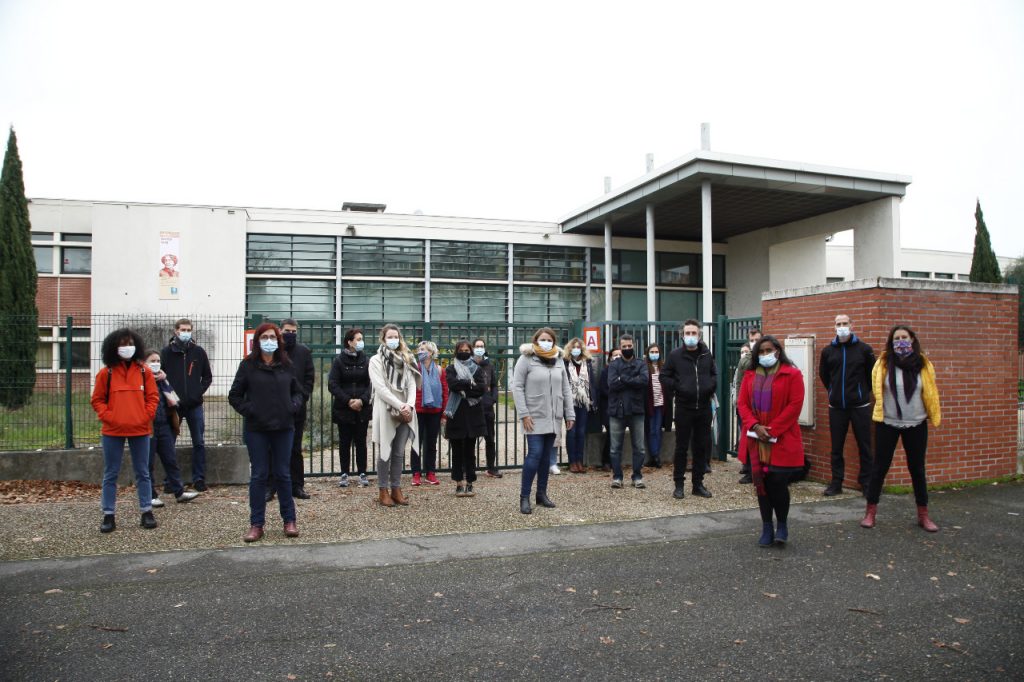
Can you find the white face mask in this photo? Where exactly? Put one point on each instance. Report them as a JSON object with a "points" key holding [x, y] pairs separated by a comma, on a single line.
{"points": [[545, 345], [768, 361], [153, 366], [576, 352], [126, 352], [392, 344], [479, 352], [843, 332]]}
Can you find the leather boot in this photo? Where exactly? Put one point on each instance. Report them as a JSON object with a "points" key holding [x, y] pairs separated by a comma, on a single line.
{"points": [[869, 516], [924, 521], [543, 500], [398, 498], [767, 534], [290, 529], [254, 534], [524, 505], [385, 498]]}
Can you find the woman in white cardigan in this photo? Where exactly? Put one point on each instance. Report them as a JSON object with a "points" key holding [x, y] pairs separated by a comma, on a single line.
{"points": [[394, 376]]}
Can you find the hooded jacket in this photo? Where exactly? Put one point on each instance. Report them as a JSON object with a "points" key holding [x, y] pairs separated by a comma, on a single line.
{"points": [[691, 376], [541, 391], [188, 369], [128, 408], [845, 371]]}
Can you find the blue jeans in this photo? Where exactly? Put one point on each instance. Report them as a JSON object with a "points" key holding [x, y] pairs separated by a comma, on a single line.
{"points": [[162, 444], [652, 428], [196, 429], [113, 451], [269, 451], [617, 429], [539, 448], [576, 438]]}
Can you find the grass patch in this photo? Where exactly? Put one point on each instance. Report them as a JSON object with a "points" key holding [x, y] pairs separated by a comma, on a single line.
{"points": [[953, 485]]}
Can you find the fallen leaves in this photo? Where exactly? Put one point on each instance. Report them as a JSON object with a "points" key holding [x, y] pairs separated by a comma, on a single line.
{"points": [[55, 590], [107, 628], [607, 640], [31, 492], [962, 621], [873, 576], [770, 595], [152, 570]]}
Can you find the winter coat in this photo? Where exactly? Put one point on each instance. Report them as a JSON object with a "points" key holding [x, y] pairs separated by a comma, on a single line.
{"points": [[267, 396], [929, 391], [787, 401], [188, 369], [691, 377], [490, 398], [163, 388], [130, 405], [468, 420], [845, 371], [349, 380], [627, 387], [302, 369], [385, 427], [570, 368], [541, 391], [444, 391]]}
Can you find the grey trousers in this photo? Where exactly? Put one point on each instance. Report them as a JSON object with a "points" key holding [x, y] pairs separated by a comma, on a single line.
{"points": [[389, 473]]}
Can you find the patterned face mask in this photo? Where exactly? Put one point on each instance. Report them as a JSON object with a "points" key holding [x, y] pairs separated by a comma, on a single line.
{"points": [[903, 347]]}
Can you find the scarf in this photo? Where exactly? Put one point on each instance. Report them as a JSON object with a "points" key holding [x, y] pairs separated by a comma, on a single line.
{"points": [[911, 367], [547, 354], [431, 385], [579, 381], [761, 404], [395, 367], [464, 370]]}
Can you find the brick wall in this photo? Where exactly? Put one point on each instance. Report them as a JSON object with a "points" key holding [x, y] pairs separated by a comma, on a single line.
{"points": [[58, 297], [968, 332]]}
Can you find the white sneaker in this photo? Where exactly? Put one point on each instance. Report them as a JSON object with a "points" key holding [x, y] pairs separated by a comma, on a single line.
{"points": [[363, 481], [639, 483], [157, 502], [343, 483], [555, 471], [185, 497]]}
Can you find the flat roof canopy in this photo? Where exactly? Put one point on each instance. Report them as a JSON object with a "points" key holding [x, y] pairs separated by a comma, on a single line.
{"points": [[747, 194]]}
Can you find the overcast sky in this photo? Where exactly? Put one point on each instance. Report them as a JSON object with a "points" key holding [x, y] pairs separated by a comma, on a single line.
{"points": [[512, 110]]}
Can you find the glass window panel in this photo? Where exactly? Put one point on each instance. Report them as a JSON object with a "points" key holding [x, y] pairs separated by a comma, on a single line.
{"points": [[632, 304], [597, 304], [833, 280], [681, 269], [304, 254], [79, 355], [465, 302], [943, 275], [44, 258], [549, 263], [718, 272], [390, 257], [632, 268], [548, 304], [66, 237], [76, 260], [676, 306], [278, 298], [468, 260], [917, 274], [379, 301], [44, 356], [42, 236]]}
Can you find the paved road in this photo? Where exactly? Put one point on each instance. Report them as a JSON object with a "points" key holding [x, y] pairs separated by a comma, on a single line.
{"points": [[681, 598]]}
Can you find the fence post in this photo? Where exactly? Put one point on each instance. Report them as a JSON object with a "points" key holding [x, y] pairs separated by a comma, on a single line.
{"points": [[724, 406], [69, 421]]}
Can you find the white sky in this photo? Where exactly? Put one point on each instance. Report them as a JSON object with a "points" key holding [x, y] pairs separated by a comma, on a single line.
{"points": [[512, 110]]}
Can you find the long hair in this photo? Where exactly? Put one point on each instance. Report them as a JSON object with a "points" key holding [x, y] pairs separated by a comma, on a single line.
{"points": [[567, 351], [408, 355], [545, 330], [659, 363], [913, 339], [783, 358], [280, 355], [108, 351]]}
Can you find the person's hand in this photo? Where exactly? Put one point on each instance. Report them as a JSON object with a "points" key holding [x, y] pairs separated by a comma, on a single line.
{"points": [[762, 432], [355, 404], [528, 424], [569, 423]]}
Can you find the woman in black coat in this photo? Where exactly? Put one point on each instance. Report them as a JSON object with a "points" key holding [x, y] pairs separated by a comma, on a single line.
{"points": [[464, 415], [349, 384]]}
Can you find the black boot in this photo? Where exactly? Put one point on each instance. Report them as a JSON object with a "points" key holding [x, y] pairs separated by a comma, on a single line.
{"points": [[542, 499], [147, 520], [108, 524], [524, 505]]}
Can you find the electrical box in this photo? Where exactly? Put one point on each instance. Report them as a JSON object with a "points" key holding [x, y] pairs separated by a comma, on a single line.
{"points": [[800, 350]]}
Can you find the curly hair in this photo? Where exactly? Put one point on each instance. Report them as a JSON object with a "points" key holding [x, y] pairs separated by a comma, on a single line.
{"points": [[108, 351]]}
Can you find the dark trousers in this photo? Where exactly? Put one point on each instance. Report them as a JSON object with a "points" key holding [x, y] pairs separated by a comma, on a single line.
{"points": [[539, 447], [430, 429], [839, 421], [915, 443], [269, 451], [691, 426], [295, 464], [162, 445], [196, 421], [490, 447], [353, 433], [576, 438], [776, 499], [463, 459]]}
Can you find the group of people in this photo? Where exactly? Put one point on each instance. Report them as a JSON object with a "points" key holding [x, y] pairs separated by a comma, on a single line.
{"points": [[141, 397]]}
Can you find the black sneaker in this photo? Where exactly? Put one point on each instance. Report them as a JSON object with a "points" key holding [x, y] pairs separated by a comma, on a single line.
{"points": [[300, 492], [147, 520], [168, 488], [679, 493], [746, 478], [108, 524], [469, 490], [833, 489], [460, 491], [199, 486], [700, 490]]}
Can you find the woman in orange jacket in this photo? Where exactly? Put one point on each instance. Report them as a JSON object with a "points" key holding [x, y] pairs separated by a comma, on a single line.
{"points": [[125, 399]]}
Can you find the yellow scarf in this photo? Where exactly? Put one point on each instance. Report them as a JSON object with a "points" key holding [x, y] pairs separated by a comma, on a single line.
{"points": [[546, 354]]}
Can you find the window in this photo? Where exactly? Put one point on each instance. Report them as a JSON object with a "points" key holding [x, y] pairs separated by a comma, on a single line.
{"points": [[52, 349], [916, 274], [628, 267], [834, 280], [382, 301], [549, 263], [44, 259], [548, 304], [291, 253], [42, 236], [67, 237], [943, 275], [468, 260], [465, 302], [685, 269], [301, 298], [79, 355], [382, 257], [677, 306], [76, 260], [963, 278]]}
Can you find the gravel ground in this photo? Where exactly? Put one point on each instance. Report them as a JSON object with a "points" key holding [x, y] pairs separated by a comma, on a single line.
{"points": [[219, 517]]}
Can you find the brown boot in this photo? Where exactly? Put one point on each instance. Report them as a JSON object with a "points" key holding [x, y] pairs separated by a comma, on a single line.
{"points": [[398, 498], [254, 534], [385, 498], [924, 521], [869, 516]]}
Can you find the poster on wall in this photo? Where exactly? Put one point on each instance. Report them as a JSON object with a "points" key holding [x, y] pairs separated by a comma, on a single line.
{"points": [[170, 256]]}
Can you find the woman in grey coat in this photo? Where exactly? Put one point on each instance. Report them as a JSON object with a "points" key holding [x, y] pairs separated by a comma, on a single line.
{"points": [[543, 398]]}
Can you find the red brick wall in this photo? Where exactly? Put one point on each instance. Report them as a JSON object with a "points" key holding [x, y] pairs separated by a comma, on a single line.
{"points": [[969, 336], [58, 297]]}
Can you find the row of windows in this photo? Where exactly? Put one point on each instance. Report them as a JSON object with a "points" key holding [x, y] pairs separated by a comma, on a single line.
{"points": [[312, 299], [921, 274], [296, 254], [71, 260]]}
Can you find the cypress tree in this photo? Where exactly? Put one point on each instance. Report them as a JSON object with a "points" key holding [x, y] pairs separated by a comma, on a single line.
{"points": [[18, 314], [984, 266]]}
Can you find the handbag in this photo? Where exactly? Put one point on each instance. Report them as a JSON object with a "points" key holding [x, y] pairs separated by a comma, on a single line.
{"points": [[174, 421]]}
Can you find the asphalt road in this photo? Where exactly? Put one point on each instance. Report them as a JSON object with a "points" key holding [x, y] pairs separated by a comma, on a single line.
{"points": [[689, 597]]}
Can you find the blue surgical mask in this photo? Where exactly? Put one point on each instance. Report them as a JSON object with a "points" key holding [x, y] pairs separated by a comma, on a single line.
{"points": [[691, 341], [423, 355], [768, 361], [576, 352], [268, 346], [545, 345], [360, 345], [654, 356], [184, 337], [392, 344], [479, 352]]}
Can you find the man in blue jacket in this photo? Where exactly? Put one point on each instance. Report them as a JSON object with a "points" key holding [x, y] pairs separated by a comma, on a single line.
{"points": [[627, 404], [845, 370], [188, 369]]}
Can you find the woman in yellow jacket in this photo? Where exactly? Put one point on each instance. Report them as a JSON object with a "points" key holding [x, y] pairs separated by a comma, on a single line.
{"points": [[905, 400]]}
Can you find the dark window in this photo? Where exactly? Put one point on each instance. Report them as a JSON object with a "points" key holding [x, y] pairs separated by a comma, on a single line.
{"points": [[66, 237], [303, 254], [468, 260], [465, 302], [301, 298], [76, 260], [833, 280], [916, 274], [382, 257], [548, 304], [549, 263], [380, 301], [79, 355]]}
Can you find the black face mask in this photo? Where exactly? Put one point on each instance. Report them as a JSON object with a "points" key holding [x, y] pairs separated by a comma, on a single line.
{"points": [[463, 355], [290, 338], [627, 353]]}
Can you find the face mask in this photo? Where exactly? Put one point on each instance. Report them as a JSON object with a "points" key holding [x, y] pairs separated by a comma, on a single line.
{"points": [[360, 345], [422, 355], [154, 367], [463, 355], [268, 346], [479, 352], [545, 345], [654, 356], [126, 352], [392, 344], [691, 341], [290, 338], [843, 332], [576, 352], [627, 353], [184, 337], [768, 360], [903, 347]]}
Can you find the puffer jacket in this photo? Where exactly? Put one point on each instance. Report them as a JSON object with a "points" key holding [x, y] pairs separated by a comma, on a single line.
{"points": [[541, 391], [929, 391], [130, 405]]}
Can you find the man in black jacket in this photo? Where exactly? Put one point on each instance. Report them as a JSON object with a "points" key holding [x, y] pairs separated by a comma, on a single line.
{"points": [[845, 370], [627, 405], [303, 370], [691, 376], [188, 369]]}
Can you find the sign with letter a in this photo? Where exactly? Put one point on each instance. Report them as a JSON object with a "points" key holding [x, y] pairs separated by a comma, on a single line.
{"points": [[592, 338]]}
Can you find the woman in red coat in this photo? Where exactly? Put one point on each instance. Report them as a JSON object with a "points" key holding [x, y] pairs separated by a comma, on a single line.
{"points": [[771, 396]]}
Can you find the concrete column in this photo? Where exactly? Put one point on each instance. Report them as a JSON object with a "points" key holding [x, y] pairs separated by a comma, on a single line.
{"points": [[705, 249], [876, 240], [426, 280], [652, 300], [608, 308]]}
